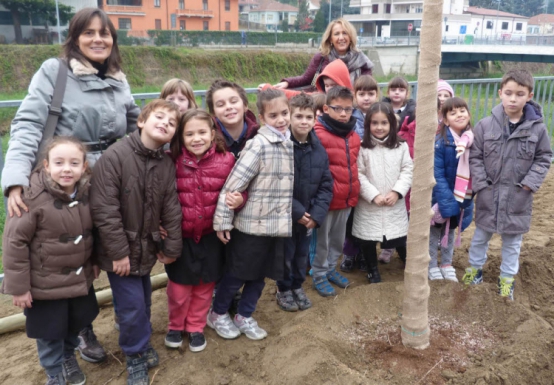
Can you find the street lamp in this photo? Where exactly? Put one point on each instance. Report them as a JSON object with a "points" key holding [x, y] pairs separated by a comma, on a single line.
{"points": [[58, 20]]}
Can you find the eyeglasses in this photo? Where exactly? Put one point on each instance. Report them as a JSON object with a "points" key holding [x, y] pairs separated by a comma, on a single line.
{"points": [[339, 110]]}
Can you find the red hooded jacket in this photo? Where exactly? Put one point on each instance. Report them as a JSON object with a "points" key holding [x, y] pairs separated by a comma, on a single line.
{"points": [[198, 186]]}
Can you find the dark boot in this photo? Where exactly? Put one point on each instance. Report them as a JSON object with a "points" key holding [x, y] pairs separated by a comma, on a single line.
{"points": [[373, 276], [347, 264]]}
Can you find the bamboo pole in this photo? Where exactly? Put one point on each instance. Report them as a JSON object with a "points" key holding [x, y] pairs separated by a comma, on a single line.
{"points": [[415, 321], [17, 321]]}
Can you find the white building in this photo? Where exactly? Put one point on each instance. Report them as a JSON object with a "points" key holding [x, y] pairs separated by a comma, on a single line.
{"points": [[492, 24], [272, 14]]}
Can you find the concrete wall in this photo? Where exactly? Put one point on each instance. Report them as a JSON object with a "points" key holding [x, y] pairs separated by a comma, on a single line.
{"points": [[394, 59]]}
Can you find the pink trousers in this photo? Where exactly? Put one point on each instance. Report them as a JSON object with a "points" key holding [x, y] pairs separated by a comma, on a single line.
{"points": [[189, 305]]}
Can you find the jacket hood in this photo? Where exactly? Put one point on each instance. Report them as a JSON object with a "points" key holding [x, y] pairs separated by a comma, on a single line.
{"points": [[336, 70], [83, 69], [40, 181], [532, 111]]}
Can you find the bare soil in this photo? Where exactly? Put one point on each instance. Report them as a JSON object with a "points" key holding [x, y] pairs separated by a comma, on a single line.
{"points": [[477, 337]]}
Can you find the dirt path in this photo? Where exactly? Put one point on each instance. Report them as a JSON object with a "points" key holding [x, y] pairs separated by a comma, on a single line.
{"points": [[477, 337]]}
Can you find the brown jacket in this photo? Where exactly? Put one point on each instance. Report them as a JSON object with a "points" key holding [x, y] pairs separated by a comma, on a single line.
{"points": [[47, 250], [133, 192]]}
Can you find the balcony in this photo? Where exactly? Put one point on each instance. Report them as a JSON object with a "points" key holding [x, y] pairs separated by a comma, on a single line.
{"points": [[194, 13], [384, 16], [129, 10]]}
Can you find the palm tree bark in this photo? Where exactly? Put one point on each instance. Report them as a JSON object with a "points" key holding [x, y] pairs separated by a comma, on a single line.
{"points": [[415, 321]]}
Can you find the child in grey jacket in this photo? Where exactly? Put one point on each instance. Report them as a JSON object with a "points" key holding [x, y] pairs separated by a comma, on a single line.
{"points": [[509, 160]]}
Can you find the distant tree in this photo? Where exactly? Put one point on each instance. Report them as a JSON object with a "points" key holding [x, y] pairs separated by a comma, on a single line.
{"points": [[299, 24], [285, 25], [45, 9], [519, 7], [321, 17]]}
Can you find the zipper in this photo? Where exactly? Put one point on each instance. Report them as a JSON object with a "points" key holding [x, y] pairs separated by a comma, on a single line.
{"points": [[349, 171]]}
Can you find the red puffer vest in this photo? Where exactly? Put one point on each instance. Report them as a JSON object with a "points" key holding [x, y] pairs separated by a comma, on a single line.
{"points": [[198, 187], [343, 156]]}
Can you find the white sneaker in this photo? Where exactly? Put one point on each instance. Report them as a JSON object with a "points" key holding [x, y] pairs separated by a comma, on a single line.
{"points": [[435, 274], [223, 325], [449, 273], [249, 327]]}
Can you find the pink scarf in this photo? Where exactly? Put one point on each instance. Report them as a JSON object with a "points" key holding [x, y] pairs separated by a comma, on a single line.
{"points": [[462, 186]]}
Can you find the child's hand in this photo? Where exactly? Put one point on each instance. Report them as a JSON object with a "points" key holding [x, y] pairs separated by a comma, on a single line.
{"points": [[379, 200], [163, 232], [233, 199], [122, 267], [23, 301], [311, 224], [163, 259], [460, 149], [526, 188], [96, 271], [391, 198], [305, 219], [224, 236]]}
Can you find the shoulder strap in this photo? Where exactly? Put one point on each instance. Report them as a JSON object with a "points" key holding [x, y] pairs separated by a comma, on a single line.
{"points": [[55, 108], [318, 71]]}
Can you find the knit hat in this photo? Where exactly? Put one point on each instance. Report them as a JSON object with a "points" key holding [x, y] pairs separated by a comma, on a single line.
{"points": [[444, 86]]}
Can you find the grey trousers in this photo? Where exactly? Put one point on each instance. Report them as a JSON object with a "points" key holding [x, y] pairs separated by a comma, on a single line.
{"points": [[511, 246], [52, 352], [330, 239], [435, 237]]}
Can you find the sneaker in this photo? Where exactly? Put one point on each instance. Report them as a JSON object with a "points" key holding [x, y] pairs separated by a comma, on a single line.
{"points": [[473, 276], [506, 287], [56, 380], [197, 342], [72, 372], [385, 255], [137, 369], [336, 278], [301, 299], [174, 339], [249, 327], [435, 274], [286, 301], [152, 358], [373, 276], [223, 325], [347, 264], [449, 273], [89, 347], [323, 287]]}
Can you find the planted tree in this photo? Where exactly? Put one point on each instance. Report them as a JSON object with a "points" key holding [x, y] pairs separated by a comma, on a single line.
{"points": [[415, 320]]}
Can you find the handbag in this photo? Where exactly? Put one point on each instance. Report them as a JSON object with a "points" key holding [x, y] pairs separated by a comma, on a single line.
{"points": [[311, 87], [54, 109]]}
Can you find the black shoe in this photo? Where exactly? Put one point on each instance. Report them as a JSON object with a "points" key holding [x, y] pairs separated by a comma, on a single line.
{"points": [[174, 339], [197, 342], [373, 276], [152, 358], [137, 369], [362, 265], [72, 372], [89, 347], [347, 264]]}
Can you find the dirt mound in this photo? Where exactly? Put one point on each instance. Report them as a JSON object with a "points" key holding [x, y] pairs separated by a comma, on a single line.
{"points": [[477, 337]]}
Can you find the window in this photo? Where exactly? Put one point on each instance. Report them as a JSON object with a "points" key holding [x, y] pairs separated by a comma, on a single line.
{"points": [[504, 25], [375, 8], [387, 8], [269, 17], [182, 25], [205, 5], [227, 25], [156, 3], [489, 24], [519, 26], [181, 4], [158, 23], [124, 23], [206, 26], [227, 5]]}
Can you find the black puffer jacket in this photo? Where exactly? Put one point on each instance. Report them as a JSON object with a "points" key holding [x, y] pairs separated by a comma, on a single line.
{"points": [[409, 111], [313, 183]]}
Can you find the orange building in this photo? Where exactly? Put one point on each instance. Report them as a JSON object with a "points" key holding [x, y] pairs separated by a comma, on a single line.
{"points": [[138, 16]]}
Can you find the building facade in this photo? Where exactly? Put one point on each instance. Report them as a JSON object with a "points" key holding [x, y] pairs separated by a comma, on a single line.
{"points": [[272, 14], [492, 24]]}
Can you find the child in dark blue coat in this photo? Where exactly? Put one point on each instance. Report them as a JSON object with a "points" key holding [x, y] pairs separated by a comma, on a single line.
{"points": [[312, 194], [452, 196]]}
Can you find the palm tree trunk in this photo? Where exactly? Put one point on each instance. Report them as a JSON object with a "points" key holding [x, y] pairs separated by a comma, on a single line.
{"points": [[415, 322]]}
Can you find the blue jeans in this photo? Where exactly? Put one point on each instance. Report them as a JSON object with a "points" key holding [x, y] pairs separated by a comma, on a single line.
{"points": [[228, 287], [52, 352], [134, 299], [511, 246], [297, 249]]}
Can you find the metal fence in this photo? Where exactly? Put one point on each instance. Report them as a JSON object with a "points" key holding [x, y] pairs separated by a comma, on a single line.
{"points": [[480, 94]]}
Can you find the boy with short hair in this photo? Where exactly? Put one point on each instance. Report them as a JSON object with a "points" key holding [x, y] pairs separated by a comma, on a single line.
{"points": [[132, 194], [312, 193], [336, 131], [509, 160]]}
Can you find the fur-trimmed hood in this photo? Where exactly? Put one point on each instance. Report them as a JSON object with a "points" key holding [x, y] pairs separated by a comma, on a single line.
{"points": [[83, 69]]}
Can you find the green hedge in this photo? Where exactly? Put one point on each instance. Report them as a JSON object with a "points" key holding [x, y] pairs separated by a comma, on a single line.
{"points": [[195, 38]]}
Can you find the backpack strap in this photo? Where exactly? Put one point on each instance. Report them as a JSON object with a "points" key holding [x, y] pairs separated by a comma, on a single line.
{"points": [[55, 108]]}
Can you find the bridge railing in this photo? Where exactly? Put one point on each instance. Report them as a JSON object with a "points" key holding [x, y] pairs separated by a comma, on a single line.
{"points": [[480, 94]]}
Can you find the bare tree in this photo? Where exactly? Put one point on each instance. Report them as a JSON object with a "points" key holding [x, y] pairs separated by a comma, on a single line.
{"points": [[415, 320]]}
